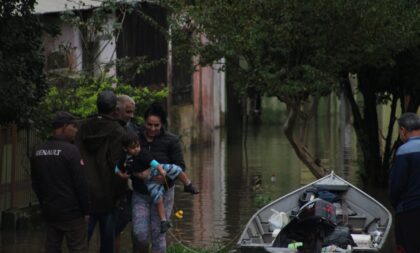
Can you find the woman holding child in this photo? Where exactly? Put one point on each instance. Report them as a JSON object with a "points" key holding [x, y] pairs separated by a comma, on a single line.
{"points": [[165, 147]]}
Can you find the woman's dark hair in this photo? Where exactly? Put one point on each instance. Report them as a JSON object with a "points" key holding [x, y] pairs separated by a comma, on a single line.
{"points": [[156, 110], [129, 139]]}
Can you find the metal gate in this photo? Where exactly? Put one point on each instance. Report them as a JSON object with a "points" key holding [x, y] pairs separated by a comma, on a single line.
{"points": [[15, 183]]}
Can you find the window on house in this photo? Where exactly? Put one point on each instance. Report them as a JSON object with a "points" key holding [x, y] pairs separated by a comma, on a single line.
{"points": [[142, 48]]}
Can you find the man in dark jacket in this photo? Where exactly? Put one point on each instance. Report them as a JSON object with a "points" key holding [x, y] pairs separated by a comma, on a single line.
{"points": [[404, 185], [99, 141], [60, 185]]}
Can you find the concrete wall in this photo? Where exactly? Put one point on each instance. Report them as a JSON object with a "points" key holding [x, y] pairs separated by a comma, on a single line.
{"points": [[196, 123], [69, 38]]}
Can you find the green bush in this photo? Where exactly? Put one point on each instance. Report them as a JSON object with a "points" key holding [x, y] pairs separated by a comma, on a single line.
{"points": [[262, 200], [78, 96]]}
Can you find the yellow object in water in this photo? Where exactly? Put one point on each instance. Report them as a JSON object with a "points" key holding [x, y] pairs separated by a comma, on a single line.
{"points": [[179, 214]]}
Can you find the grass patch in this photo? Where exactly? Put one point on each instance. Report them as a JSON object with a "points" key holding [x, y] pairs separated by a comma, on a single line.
{"points": [[262, 200], [179, 248]]}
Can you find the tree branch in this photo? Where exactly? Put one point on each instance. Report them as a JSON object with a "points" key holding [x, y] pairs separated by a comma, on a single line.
{"points": [[304, 155]]}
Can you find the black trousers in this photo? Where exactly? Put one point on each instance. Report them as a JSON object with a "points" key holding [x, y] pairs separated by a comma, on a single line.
{"points": [[74, 231], [407, 231], [123, 213]]}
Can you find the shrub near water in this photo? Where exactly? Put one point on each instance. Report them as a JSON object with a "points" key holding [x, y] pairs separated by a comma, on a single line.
{"points": [[79, 98]]}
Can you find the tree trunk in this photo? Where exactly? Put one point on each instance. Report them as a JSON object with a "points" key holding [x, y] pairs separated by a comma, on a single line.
{"points": [[389, 147], [367, 133], [301, 151], [373, 158]]}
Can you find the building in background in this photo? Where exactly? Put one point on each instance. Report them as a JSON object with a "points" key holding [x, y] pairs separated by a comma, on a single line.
{"points": [[196, 102]]}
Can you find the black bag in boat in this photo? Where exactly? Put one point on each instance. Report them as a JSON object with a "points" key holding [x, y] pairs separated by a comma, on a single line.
{"points": [[316, 217], [340, 237]]}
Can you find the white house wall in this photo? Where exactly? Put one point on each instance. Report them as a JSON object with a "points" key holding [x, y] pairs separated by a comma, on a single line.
{"points": [[71, 38], [107, 50]]}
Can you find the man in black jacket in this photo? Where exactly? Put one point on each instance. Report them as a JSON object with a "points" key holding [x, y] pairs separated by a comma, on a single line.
{"points": [[61, 187], [99, 140]]}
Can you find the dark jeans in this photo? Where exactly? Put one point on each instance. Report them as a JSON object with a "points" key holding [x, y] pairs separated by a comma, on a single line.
{"points": [[74, 231], [123, 213], [407, 232], [106, 230]]}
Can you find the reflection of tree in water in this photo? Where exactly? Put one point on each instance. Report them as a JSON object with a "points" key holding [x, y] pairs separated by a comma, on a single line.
{"points": [[346, 138]]}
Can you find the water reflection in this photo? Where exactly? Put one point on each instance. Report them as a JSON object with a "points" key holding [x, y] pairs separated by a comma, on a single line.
{"points": [[231, 174]]}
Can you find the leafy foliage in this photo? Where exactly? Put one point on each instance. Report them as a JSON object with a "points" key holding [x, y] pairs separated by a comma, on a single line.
{"points": [[96, 26], [79, 98], [262, 199], [295, 49], [21, 60], [76, 91]]}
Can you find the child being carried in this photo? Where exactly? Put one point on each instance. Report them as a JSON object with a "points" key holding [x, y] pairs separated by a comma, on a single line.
{"points": [[143, 166]]}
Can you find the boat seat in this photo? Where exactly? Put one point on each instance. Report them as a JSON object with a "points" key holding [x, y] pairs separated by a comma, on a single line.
{"points": [[259, 225], [357, 223], [253, 235], [328, 187]]}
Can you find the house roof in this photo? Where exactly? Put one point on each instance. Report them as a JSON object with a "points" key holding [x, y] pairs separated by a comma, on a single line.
{"points": [[50, 6]]}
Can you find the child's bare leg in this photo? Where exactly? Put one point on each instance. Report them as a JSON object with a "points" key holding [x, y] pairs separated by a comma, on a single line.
{"points": [[184, 179], [161, 209], [164, 224]]}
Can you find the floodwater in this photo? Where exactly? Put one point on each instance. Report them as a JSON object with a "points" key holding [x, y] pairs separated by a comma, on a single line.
{"points": [[241, 170]]}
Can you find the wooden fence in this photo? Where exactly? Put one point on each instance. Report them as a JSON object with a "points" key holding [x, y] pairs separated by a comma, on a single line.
{"points": [[15, 183]]}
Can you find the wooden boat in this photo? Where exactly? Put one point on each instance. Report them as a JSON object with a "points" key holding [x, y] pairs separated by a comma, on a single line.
{"points": [[369, 222]]}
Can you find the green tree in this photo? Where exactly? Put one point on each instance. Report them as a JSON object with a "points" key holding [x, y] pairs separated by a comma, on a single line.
{"points": [[300, 50], [21, 60]]}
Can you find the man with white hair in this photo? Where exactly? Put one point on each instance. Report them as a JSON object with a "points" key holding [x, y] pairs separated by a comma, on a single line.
{"points": [[125, 111]]}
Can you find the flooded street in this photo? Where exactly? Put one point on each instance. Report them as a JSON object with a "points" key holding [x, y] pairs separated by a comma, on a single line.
{"points": [[235, 178]]}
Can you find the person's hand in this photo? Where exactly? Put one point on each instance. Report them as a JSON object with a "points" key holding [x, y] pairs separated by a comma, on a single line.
{"points": [[142, 175], [159, 179], [162, 173], [124, 175]]}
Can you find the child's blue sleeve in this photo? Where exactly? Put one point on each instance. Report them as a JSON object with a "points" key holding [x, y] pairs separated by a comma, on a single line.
{"points": [[116, 169], [154, 163]]}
